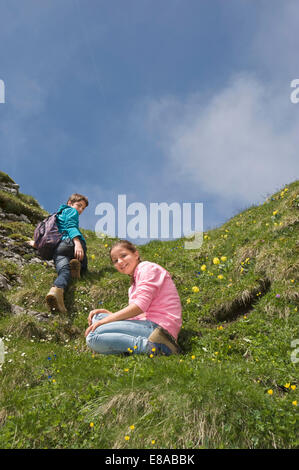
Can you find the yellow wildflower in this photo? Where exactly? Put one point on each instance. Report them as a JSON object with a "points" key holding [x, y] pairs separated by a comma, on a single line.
{"points": [[127, 438], [195, 289], [216, 260], [294, 403], [91, 425], [220, 276], [287, 385], [270, 392], [132, 427], [203, 267], [153, 441], [223, 258], [193, 357], [293, 387], [151, 355], [188, 301], [275, 212]]}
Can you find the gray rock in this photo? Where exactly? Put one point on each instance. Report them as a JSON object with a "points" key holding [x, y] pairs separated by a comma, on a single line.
{"points": [[15, 217], [24, 218], [17, 310], [40, 316], [4, 283], [36, 260], [12, 188]]}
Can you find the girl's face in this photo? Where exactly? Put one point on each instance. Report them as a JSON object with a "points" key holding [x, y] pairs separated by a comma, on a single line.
{"points": [[124, 260]]}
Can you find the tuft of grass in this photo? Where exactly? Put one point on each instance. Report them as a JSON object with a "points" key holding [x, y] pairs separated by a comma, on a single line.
{"points": [[4, 178], [14, 204]]}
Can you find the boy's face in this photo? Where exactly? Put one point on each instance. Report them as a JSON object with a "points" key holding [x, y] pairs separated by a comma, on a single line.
{"points": [[79, 206]]}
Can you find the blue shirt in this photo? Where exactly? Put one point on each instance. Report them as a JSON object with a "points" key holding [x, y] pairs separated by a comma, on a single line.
{"points": [[68, 222]]}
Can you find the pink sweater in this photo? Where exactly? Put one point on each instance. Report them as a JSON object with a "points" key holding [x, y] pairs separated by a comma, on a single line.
{"points": [[156, 295]]}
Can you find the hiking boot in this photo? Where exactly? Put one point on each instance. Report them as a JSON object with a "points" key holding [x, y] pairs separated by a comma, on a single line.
{"points": [[157, 349], [75, 267], [161, 337], [55, 299]]}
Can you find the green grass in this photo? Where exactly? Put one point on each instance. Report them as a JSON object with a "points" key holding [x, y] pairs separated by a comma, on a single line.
{"points": [[19, 204], [4, 178], [235, 384]]}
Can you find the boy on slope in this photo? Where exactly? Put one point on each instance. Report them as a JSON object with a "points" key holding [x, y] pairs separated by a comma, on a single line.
{"points": [[70, 254]]}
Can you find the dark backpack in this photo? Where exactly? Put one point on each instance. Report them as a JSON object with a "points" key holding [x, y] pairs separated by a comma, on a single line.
{"points": [[47, 236]]}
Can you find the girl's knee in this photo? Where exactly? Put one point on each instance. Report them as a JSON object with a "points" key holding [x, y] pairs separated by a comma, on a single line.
{"points": [[90, 340], [98, 317]]}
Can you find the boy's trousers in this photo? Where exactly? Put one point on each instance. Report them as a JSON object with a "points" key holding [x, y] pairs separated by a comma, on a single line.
{"points": [[63, 254]]}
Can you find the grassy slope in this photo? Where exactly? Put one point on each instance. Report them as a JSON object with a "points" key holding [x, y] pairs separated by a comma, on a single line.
{"points": [[235, 384]]}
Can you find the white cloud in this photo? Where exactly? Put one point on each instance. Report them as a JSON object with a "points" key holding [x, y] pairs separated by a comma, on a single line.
{"points": [[232, 146]]}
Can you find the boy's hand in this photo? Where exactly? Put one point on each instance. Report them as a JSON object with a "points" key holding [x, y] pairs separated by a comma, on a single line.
{"points": [[94, 312], [78, 250]]}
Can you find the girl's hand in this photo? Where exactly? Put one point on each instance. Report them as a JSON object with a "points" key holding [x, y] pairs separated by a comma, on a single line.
{"points": [[92, 327], [88, 331], [94, 312]]}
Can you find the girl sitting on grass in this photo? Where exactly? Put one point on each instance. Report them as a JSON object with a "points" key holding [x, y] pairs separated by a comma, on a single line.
{"points": [[152, 320]]}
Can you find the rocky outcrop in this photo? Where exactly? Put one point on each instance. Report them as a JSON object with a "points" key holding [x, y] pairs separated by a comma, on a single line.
{"points": [[12, 188], [18, 215], [17, 310]]}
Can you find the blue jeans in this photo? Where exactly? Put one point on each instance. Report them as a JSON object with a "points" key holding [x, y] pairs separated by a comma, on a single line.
{"points": [[63, 254], [120, 336]]}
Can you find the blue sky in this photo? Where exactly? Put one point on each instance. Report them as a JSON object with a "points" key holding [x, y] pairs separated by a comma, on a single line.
{"points": [[173, 101]]}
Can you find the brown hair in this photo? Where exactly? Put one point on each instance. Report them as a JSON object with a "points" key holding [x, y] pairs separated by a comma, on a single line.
{"points": [[76, 198], [129, 246]]}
